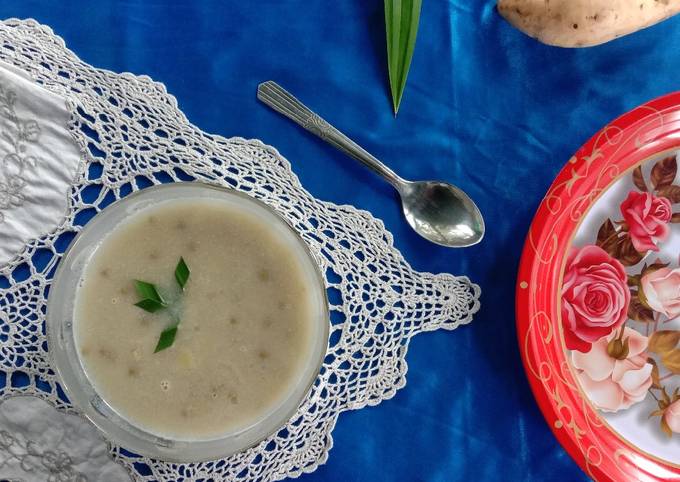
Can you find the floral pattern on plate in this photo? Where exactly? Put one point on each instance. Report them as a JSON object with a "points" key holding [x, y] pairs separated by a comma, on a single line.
{"points": [[620, 299]]}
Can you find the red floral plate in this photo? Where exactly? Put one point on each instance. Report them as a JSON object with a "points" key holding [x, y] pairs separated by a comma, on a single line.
{"points": [[598, 299]]}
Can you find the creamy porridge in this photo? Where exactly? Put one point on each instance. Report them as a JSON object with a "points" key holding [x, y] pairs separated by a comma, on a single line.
{"points": [[244, 319]]}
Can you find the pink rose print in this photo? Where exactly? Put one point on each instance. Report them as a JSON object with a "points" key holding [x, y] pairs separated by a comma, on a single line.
{"points": [[595, 297], [672, 416], [662, 291], [647, 217], [612, 384]]}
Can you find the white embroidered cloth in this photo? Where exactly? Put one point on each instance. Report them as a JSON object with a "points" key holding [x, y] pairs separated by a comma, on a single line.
{"points": [[37, 443], [131, 134], [38, 160]]}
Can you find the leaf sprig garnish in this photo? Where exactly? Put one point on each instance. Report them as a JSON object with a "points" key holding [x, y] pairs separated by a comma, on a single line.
{"points": [[167, 337], [182, 273], [152, 301], [401, 24]]}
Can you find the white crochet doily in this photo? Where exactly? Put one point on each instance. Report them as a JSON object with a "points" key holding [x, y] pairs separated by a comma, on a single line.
{"points": [[132, 134]]}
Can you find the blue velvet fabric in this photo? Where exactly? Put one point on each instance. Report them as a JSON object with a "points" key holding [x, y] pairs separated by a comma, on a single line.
{"points": [[485, 107]]}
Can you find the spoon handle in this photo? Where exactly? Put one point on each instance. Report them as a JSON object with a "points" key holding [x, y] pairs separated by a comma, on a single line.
{"points": [[283, 102]]}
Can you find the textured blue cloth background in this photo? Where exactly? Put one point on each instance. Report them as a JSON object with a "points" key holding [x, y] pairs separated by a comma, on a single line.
{"points": [[485, 107]]}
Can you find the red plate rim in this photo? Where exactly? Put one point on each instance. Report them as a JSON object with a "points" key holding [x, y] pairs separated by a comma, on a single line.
{"points": [[616, 149]]}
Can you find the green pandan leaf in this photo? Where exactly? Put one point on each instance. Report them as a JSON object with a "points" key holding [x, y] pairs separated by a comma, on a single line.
{"points": [[150, 305], [148, 291], [401, 23], [167, 338], [182, 273]]}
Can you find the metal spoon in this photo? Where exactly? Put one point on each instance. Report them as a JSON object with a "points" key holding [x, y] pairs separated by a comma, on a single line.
{"points": [[438, 211]]}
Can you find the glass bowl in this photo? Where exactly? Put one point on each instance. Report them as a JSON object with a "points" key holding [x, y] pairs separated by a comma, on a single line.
{"points": [[81, 392]]}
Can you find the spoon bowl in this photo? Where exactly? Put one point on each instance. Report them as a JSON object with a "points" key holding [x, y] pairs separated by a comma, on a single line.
{"points": [[441, 213]]}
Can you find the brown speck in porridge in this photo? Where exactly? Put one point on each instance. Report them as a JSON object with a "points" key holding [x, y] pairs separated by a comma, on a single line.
{"points": [[185, 412], [216, 391], [263, 275], [107, 353]]}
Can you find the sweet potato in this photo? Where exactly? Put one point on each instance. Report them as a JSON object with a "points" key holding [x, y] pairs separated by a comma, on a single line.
{"points": [[582, 23]]}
